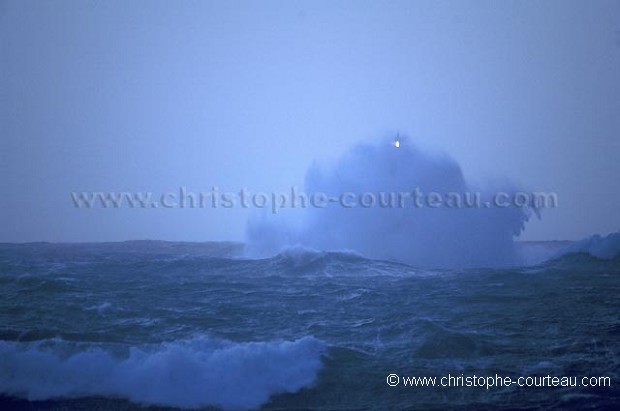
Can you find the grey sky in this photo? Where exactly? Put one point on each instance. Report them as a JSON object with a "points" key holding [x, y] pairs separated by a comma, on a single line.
{"points": [[150, 96]]}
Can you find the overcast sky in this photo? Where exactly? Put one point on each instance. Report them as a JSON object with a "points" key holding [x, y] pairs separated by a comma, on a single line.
{"points": [[151, 96]]}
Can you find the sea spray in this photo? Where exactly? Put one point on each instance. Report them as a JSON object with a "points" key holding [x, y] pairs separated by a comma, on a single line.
{"points": [[394, 226]]}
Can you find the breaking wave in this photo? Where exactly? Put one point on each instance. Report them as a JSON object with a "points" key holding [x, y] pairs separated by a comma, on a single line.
{"points": [[187, 374]]}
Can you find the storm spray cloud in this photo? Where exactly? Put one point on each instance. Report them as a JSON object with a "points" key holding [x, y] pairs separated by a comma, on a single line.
{"points": [[394, 228]]}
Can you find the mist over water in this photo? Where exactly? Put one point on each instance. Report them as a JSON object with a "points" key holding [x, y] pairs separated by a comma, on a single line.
{"points": [[446, 236]]}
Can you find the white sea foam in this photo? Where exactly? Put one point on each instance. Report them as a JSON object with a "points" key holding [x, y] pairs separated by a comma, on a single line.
{"points": [[187, 374], [100, 308]]}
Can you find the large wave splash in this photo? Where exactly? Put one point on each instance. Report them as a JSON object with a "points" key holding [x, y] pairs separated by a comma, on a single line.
{"points": [[603, 248], [187, 374], [424, 236]]}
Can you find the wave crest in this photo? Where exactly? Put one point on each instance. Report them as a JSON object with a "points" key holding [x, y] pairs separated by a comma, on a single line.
{"points": [[188, 374], [604, 248]]}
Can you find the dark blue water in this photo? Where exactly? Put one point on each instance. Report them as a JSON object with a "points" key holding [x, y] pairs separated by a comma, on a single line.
{"points": [[186, 325]]}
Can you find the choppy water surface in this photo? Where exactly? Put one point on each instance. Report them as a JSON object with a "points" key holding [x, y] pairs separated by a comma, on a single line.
{"points": [[120, 325]]}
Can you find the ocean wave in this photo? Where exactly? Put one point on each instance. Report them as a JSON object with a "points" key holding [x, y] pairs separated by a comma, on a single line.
{"points": [[300, 256], [187, 373], [604, 248]]}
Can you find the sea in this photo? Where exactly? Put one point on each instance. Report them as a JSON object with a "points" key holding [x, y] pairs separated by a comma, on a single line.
{"points": [[154, 325]]}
